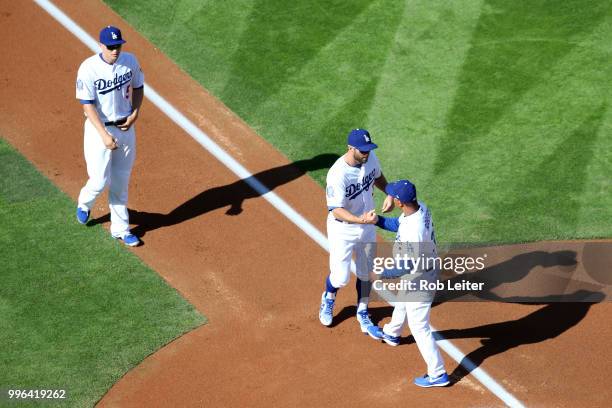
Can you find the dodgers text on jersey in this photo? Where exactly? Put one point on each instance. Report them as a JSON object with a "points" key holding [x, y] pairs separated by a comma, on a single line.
{"points": [[103, 86], [353, 190]]}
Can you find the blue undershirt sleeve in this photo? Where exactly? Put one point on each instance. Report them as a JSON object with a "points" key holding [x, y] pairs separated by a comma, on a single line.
{"points": [[388, 223]]}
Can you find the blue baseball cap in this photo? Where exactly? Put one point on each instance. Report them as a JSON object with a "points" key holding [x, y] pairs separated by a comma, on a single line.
{"points": [[403, 190], [111, 36], [360, 139]]}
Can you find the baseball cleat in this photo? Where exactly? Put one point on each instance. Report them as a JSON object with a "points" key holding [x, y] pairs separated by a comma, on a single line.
{"points": [[363, 318], [82, 215], [377, 333], [129, 239], [326, 311], [426, 381]]}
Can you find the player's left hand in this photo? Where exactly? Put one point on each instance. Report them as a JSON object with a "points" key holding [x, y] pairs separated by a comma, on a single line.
{"points": [[388, 204], [129, 122]]}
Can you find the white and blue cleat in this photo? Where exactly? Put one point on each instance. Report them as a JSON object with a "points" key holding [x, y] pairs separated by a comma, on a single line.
{"points": [[82, 216], [426, 381], [377, 333], [129, 239], [326, 310], [364, 320]]}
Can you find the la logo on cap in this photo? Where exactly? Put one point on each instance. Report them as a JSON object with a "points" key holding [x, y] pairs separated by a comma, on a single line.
{"points": [[113, 35], [367, 138]]}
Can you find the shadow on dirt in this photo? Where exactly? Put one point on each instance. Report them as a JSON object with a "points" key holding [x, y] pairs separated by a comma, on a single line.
{"points": [[560, 312], [231, 195]]}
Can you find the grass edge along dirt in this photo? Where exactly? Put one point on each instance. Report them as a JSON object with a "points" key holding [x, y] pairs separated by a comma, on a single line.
{"points": [[77, 309]]}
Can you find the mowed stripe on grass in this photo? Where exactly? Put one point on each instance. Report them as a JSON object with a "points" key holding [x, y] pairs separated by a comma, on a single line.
{"points": [[471, 100]]}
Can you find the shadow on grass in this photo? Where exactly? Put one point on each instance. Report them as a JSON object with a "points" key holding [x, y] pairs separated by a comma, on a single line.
{"points": [[514, 271]]}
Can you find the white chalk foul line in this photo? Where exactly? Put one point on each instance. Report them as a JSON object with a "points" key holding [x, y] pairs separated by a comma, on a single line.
{"points": [[277, 202]]}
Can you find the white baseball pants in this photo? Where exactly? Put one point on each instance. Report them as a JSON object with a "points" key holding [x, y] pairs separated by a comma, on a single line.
{"points": [[417, 314], [112, 168], [344, 239]]}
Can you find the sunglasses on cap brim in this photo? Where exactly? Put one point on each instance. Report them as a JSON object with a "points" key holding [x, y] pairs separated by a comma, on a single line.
{"points": [[113, 47]]}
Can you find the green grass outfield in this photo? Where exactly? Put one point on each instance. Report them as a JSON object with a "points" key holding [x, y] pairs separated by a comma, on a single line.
{"points": [[77, 310], [498, 110]]}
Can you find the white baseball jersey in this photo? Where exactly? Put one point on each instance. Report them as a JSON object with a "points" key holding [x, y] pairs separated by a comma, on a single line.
{"points": [[416, 237], [352, 188], [109, 86]]}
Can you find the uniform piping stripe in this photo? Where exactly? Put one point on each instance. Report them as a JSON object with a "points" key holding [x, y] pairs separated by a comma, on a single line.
{"points": [[278, 203]]}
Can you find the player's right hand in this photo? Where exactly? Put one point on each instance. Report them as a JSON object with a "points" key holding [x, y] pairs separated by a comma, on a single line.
{"points": [[109, 142]]}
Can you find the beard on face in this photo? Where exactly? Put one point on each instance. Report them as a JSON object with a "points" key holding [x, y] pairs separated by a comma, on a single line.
{"points": [[360, 158]]}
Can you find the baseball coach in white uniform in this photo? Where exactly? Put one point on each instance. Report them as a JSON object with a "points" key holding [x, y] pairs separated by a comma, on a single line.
{"points": [[415, 238]]}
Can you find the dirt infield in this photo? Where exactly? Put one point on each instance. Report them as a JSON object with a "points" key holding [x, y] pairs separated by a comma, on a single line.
{"points": [[254, 274]]}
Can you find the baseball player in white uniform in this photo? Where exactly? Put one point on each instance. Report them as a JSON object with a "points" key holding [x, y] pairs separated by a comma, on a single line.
{"points": [[415, 238], [110, 86], [350, 202]]}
